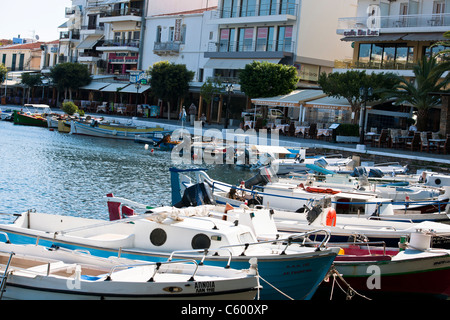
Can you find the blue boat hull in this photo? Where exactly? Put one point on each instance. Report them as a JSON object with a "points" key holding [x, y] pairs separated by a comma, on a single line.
{"points": [[293, 277]]}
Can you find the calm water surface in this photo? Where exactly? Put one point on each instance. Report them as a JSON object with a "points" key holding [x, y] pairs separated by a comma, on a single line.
{"points": [[68, 174]]}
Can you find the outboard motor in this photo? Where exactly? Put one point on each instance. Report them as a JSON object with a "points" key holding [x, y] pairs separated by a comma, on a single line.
{"points": [[264, 176], [195, 195]]}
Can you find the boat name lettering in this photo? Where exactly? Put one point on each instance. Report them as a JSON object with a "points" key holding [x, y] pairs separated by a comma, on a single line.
{"points": [[441, 262], [207, 286]]}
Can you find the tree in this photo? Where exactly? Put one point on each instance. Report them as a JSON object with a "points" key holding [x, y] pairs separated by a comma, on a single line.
{"points": [[429, 79], [170, 81], [70, 76], [31, 80], [347, 85], [3, 72], [208, 91], [265, 79]]}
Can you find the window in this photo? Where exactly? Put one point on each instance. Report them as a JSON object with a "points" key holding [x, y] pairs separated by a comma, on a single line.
{"points": [[284, 39], [267, 7], [388, 56], [227, 37], [287, 7], [230, 8], [21, 61], [183, 34], [245, 39], [158, 34], [4, 59], [171, 34], [13, 62], [432, 51], [248, 8]]}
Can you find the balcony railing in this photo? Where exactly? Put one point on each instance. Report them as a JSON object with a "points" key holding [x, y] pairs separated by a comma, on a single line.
{"points": [[283, 8], [167, 47], [68, 35], [400, 21], [251, 46], [120, 43], [93, 27], [121, 12]]}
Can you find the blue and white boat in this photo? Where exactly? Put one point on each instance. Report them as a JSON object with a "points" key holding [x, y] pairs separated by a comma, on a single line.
{"points": [[287, 269]]}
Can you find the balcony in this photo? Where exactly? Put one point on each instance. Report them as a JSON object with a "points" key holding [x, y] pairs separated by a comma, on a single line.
{"points": [[256, 14], [121, 15], [398, 24], [167, 48], [88, 57], [92, 29], [119, 45], [69, 36], [251, 49]]}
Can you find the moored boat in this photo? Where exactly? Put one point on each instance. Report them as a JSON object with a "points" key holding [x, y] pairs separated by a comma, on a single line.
{"points": [[376, 271], [35, 115], [39, 273], [109, 131], [294, 271]]}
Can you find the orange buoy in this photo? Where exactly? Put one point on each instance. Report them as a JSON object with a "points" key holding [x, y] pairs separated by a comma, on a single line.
{"points": [[331, 218]]}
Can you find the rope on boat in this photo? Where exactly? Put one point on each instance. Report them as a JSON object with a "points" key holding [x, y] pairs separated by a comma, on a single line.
{"points": [[350, 293], [284, 294]]}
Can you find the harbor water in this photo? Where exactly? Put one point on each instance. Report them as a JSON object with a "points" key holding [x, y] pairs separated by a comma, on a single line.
{"points": [[67, 174]]}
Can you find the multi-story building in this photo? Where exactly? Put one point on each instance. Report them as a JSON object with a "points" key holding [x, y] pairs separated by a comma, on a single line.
{"points": [[294, 32], [395, 35], [392, 36]]}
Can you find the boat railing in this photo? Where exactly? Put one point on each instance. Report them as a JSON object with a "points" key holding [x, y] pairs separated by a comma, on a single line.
{"points": [[288, 241], [157, 268], [441, 204], [205, 253]]}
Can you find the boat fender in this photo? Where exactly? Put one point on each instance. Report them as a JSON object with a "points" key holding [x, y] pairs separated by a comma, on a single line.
{"points": [[331, 217]]}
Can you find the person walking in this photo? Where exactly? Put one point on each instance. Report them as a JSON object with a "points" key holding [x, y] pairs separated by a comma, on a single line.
{"points": [[192, 113], [182, 116]]}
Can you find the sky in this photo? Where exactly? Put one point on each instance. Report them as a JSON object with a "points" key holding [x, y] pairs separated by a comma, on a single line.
{"points": [[32, 17]]}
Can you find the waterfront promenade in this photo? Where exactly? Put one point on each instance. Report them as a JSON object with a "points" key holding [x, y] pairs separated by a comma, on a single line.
{"points": [[370, 153]]}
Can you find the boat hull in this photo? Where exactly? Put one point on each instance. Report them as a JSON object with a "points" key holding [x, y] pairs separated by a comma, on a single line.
{"points": [[23, 119], [415, 277], [297, 276], [122, 134]]}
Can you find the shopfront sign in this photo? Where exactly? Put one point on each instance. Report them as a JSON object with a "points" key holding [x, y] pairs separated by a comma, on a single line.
{"points": [[362, 32]]}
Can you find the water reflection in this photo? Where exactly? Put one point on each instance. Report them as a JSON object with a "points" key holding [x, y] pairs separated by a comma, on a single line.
{"points": [[68, 174]]}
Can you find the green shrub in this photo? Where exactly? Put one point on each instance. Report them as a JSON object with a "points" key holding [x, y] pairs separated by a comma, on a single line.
{"points": [[69, 107]]}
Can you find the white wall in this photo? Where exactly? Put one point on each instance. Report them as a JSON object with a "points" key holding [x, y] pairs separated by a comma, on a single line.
{"points": [[157, 7], [317, 38]]}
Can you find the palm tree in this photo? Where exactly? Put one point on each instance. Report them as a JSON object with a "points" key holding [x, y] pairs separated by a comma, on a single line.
{"points": [[430, 78]]}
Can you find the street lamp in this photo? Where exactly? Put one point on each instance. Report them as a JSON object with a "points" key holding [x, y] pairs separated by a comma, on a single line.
{"points": [[229, 91], [365, 94]]}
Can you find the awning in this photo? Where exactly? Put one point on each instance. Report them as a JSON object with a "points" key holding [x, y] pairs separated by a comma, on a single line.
{"points": [[89, 42], [431, 36], [114, 87], [381, 37], [329, 103], [293, 99], [132, 88], [233, 63], [95, 86]]}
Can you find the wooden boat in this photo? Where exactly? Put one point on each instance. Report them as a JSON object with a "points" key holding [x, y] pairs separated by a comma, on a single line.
{"points": [[158, 139], [40, 273], [294, 271], [109, 130], [35, 115], [374, 271]]}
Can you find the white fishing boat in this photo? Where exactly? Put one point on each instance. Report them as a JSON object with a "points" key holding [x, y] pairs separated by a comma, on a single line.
{"points": [[113, 131], [268, 190], [292, 271], [40, 273]]}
